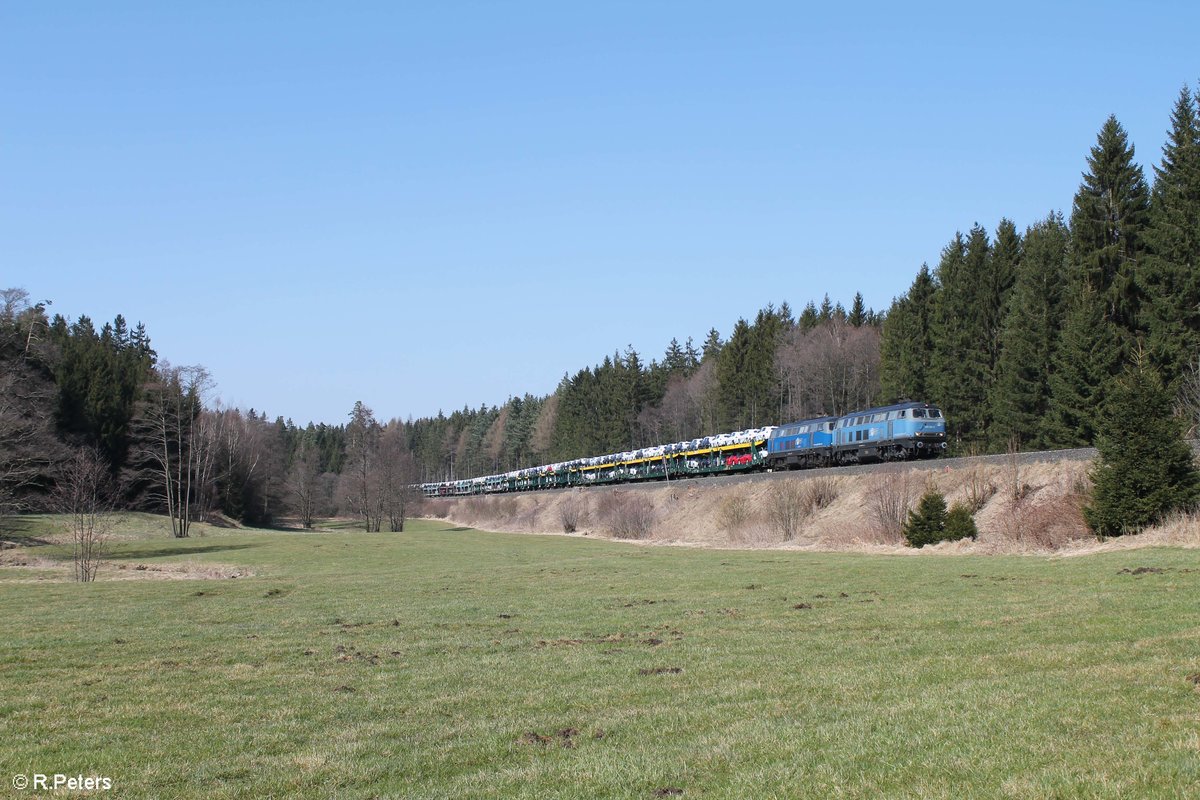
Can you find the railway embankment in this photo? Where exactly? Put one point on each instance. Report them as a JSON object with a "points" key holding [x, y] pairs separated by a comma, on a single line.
{"points": [[1027, 503]]}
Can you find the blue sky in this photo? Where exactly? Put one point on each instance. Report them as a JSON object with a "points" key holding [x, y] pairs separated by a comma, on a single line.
{"points": [[432, 205]]}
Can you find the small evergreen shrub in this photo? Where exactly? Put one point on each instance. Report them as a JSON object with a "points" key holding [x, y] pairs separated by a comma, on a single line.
{"points": [[926, 523], [960, 524], [930, 523]]}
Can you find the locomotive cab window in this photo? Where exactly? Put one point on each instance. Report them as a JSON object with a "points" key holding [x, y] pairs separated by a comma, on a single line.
{"points": [[918, 413]]}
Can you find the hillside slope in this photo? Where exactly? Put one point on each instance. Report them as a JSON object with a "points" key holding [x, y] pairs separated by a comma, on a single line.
{"points": [[1018, 508]]}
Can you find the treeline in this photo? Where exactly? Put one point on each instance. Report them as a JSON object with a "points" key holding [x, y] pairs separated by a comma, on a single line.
{"points": [[1020, 336]]}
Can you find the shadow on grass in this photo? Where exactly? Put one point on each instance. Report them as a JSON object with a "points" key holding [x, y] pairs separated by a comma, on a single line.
{"points": [[457, 530], [15, 531], [163, 552]]}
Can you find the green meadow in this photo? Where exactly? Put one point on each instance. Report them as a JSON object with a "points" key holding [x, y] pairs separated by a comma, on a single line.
{"points": [[451, 663]]}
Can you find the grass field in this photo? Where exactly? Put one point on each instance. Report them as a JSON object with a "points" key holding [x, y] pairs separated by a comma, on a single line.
{"points": [[451, 663]]}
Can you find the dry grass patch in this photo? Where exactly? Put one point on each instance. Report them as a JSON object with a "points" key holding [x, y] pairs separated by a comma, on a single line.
{"points": [[734, 511], [573, 512], [57, 569], [889, 499], [626, 514]]}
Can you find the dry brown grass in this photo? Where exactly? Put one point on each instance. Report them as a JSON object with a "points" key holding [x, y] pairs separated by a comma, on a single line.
{"points": [[786, 508], [60, 570], [734, 511], [979, 488], [819, 493], [573, 512], [1049, 525], [626, 514], [889, 499]]}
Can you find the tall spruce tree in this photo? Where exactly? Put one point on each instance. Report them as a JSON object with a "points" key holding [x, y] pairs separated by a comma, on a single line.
{"points": [[960, 365], [712, 345], [1171, 279], [809, 317], [762, 385], [1137, 480], [1108, 221], [1020, 393], [1088, 356], [906, 344], [997, 285], [858, 311], [731, 385]]}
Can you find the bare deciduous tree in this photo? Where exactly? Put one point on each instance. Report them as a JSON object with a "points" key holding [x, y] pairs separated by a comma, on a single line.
{"points": [[83, 494], [358, 485], [168, 455], [829, 369], [395, 477], [888, 502], [29, 449], [304, 484], [786, 508]]}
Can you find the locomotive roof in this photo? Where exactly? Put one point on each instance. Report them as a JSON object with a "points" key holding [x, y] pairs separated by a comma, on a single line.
{"points": [[893, 407], [806, 421]]}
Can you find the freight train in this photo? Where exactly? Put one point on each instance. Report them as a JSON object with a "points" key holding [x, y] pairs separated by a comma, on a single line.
{"points": [[897, 432]]}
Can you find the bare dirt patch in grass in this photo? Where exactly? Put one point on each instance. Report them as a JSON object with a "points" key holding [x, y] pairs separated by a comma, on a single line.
{"points": [[51, 569], [565, 737]]}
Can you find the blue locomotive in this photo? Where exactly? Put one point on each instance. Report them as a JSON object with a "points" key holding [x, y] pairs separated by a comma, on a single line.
{"points": [[802, 445], [887, 433]]}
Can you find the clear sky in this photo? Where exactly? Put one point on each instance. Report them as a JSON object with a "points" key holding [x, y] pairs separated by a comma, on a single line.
{"points": [[432, 205]]}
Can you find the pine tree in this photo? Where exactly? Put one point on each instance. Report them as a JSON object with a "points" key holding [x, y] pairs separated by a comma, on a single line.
{"points": [[1108, 221], [959, 366], [691, 356], [1088, 355], [809, 318], [762, 387], [960, 524], [997, 285], [858, 311], [1139, 479], [674, 360], [1171, 279], [906, 345], [826, 313], [731, 385], [926, 523], [785, 316], [712, 345], [1020, 394]]}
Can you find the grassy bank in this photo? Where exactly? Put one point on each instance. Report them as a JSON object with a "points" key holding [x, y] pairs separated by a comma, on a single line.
{"points": [[450, 663]]}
